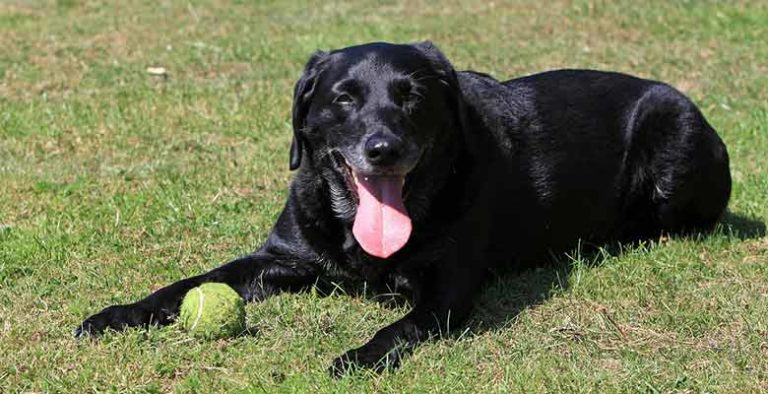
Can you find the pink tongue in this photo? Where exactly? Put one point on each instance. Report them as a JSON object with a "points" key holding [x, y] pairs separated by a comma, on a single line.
{"points": [[382, 226]]}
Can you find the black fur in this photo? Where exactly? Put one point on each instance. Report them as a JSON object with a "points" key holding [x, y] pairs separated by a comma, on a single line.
{"points": [[498, 174]]}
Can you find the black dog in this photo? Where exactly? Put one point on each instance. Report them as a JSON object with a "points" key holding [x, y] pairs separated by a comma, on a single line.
{"points": [[417, 179]]}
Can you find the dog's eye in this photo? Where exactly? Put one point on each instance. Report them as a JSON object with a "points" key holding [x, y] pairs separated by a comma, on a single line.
{"points": [[405, 93], [343, 99], [414, 97]]}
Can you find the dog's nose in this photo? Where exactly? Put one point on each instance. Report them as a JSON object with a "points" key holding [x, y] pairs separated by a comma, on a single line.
{"points": [[383, 150]]}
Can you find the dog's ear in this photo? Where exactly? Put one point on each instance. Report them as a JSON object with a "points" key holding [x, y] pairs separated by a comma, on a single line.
{"points": [[448, 77], [302, 95], [439, 62]]}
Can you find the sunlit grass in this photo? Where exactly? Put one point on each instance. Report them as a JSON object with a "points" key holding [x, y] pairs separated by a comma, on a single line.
{"points": [[114, 182]]}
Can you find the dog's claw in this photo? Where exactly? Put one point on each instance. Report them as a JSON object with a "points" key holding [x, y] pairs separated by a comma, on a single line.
{"points": [[339, 367], [95, 324], [363, 358], [116, 317], [80, 332], [90, 327]]}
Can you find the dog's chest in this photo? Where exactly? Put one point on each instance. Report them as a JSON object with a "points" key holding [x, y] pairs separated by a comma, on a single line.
{"points": [[390, 277], [383, 280]]}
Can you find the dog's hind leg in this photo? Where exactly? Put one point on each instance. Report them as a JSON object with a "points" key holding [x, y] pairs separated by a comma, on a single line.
{"points": [[697, 197], [681, 166]]}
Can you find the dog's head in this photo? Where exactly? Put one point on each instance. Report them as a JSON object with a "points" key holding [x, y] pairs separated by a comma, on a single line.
{"points": [[376, 121]]}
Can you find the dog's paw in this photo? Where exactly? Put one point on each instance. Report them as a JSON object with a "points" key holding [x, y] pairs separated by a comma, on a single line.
{"points": [[116, 317], [366, 357]]}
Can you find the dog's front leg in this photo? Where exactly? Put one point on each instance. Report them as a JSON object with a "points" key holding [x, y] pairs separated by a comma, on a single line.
{"points": [[254, 277], [443, 306]]}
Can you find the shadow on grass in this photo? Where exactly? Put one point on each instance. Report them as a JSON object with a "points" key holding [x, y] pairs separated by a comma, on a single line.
{"points": [[512, 291], [742, 227], [509, 293]]}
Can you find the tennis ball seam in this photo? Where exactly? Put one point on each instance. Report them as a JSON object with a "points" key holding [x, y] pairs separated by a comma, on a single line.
{"points": [[224, 317], [199, 308]]}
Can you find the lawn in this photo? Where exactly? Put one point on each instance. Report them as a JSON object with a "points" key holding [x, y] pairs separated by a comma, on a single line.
{"points": [[115, 181]]}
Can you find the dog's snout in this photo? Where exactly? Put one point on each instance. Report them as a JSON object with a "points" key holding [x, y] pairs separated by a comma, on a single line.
{"points": [[383, 150]]}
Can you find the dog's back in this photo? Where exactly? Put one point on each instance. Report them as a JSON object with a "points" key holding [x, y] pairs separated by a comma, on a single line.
{"points": [[595, 156]]}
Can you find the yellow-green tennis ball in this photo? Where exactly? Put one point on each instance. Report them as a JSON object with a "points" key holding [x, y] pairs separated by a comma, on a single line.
{"points": [[213, 310]]}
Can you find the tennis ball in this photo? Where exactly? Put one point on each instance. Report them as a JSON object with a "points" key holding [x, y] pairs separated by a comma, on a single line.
{"points": [[213, 310]]}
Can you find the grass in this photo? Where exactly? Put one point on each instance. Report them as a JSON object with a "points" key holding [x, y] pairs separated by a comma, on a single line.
{"points": [[114, 182]]}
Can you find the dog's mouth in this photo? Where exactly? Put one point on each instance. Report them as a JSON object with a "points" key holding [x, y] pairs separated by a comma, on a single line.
{"points": [[381, 225]]}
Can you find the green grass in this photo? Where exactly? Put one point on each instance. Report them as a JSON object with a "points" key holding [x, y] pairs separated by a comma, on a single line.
{"points": [[114, 183]]}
